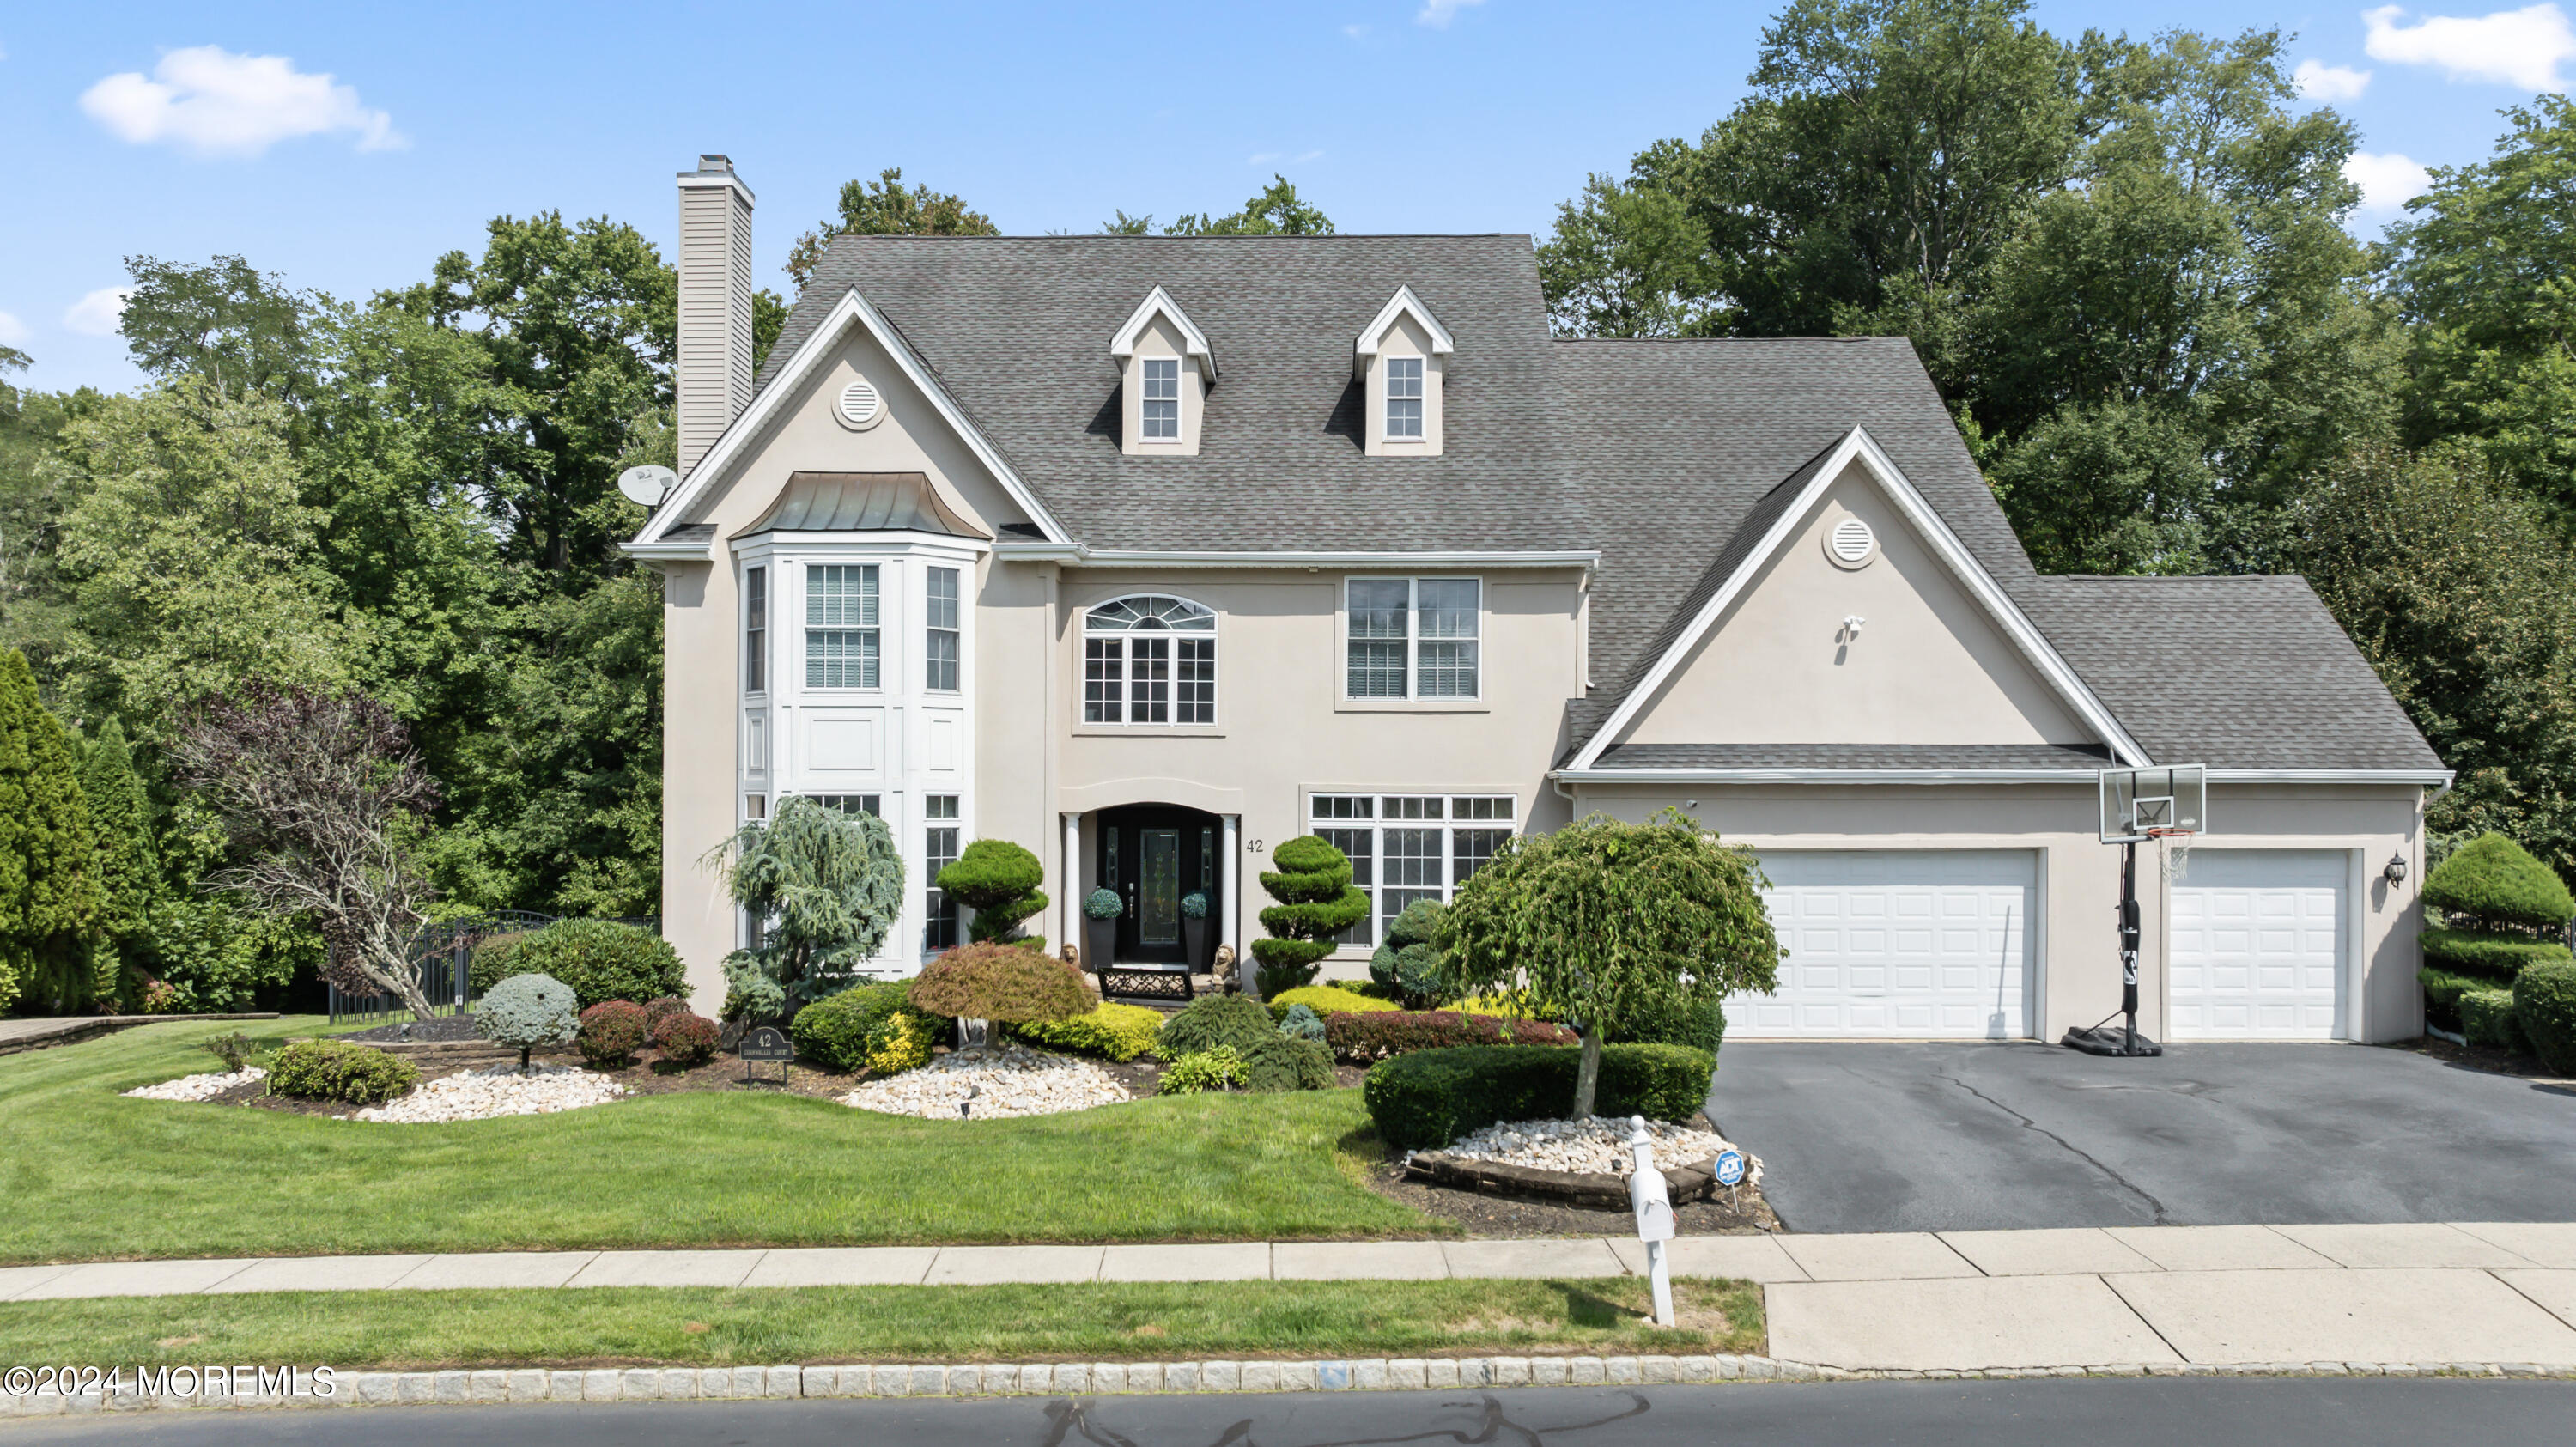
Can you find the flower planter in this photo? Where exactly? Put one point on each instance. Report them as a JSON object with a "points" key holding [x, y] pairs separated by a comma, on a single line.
{"points": [[1194, 942], [1099, 943]]}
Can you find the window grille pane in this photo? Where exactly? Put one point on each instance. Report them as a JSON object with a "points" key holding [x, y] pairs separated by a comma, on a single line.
{"points": [[1345, 806], [943, 597], [1469, 849], [840, 658], [1404, 397], [1377, 670], [1404, 376], [938, 851], [1413, 869], [1411, 808], [1379, 610], [941, 656], [1377, 607], [1149, 680], [1481, 807], [939, 806], [1195, 702], [1359, 845], [1449, 607], [1448, 670], [849, 803], [1103, 701], [841, 597], [1163, 420], [755, 630], [1403, 418], [1163, 379]]}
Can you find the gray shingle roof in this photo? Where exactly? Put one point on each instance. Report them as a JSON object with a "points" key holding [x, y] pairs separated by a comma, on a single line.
{"points": [[1657, 454], [1853, 756]]}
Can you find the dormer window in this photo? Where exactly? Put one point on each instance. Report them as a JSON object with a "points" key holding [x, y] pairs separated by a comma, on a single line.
{"points": [[1162, 417], [1403, 397]]}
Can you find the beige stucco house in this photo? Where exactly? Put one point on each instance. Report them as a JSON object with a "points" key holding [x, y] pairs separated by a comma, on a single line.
{"points": [[1148, 553]]}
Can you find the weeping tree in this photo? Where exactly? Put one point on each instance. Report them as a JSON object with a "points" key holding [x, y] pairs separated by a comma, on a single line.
{"points": [[1617, 926], [48, 886], [321, 794], [827, 887]]}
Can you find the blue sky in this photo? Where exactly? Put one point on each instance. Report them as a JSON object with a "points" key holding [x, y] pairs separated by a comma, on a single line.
{"points": [[348, 146]]}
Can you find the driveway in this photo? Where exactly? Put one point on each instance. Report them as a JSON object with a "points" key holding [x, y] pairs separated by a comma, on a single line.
{"points": [[1897, 1137]]}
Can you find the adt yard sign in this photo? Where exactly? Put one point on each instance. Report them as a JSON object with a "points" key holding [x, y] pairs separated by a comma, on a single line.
{"points": [[765, 1043], [1730, 1168]]}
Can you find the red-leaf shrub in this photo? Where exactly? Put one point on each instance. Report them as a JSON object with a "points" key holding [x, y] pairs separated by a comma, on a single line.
{"points": [[655, 1011], [1362, 1036], [997, 982], [685, 1038], [609, 1033]]}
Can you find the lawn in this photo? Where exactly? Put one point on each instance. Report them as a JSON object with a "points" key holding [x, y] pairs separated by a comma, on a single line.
{"points": [[418, 1330], [88, 1175]]}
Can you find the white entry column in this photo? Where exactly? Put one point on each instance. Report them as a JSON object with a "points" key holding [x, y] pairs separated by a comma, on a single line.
{"points": [[1233, 857], [1069, 884]]}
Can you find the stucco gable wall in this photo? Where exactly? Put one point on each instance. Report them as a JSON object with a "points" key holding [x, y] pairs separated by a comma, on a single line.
{"points": [[1929, 666]]}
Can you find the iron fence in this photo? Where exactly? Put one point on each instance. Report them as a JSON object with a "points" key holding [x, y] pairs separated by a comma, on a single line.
{"points": [[442, 960]]}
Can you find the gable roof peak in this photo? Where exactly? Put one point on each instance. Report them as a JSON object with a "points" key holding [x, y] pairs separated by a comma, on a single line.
{"points": [[1404, 303], [1158, 302]]}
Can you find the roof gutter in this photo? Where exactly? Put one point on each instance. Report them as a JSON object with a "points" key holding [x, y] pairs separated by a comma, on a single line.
{"points": [[1083, 555], [2419, 777]]}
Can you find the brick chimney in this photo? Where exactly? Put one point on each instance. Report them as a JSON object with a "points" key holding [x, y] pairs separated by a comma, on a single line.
{"points": [[715, 305]]}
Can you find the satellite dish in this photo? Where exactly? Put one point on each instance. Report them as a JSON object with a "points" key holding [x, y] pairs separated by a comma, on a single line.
{"points": [[647, 485]]}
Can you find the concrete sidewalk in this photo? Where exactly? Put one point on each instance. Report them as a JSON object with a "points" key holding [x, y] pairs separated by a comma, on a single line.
{"points": [[2147, 1297]]}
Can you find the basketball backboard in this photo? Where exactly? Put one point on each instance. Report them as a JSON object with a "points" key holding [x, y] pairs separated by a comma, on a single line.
{"points": [[2143, 803]]}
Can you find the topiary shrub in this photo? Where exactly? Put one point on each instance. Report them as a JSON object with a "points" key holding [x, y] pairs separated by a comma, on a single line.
{"points": [[1201, 1070], [685, 1038], [1301, 1021], [339, 1070], [610, 1033], [1102, 904], [2491, 882], [2486, 1018], [835, 1031], [602, 960], [1112, 1032], [2544, 1004], [1325, 1000], [1194, 905], [529, 1012], [1429, 1098], [1285, 1062], [997, 982], [1362, 1036], [2442, 992], [490, 963], [1316, 902], [1408, 964], [2492, 954], [999, 881], [1212, 1022]]}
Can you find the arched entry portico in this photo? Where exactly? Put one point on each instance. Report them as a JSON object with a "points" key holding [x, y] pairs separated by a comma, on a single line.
{"points": [[1153, 856]]}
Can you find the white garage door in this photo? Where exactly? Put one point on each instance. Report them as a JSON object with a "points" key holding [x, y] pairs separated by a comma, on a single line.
{"points": [[2257, 945], [1897, 943]]}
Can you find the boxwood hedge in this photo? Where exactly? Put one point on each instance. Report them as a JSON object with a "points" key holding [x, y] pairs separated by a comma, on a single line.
{"points": [[1429, 1098], [2544, 1004], [2497, 956], [2493, 881]]}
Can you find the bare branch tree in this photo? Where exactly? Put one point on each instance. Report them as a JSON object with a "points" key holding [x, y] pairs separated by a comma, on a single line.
{"points": [[315, 790]]}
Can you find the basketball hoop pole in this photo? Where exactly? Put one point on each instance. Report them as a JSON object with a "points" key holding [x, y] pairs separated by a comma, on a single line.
{"points": [[2129, 935]]}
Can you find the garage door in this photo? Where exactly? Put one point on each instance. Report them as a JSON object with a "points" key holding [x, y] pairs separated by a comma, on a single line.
{"points": [[1897, 944], [2257, 945]]}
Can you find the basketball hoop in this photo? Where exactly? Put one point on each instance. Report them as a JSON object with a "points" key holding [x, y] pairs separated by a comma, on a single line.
{"points": [[2141, 806]]}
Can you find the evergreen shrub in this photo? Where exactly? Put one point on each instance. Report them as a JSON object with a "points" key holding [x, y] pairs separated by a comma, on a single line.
{"points": [[834, 1031], [1316, 902], [1408, 964], [339, 1070], [1213, 1022], [1429, 1098], [2491, 882], [1699, 1024], [998, 982], [610, 1033], [602, 960], [235, 1050], [685, 1038], [1324, 1000], [1194, 905], [1112, 1032], [1286, 1062], [2495, 955], [899, 1043], [527, 1012], [999, 881], [2442, 992], [1362, 1036], [1301, 1021], [490, 963], [2486, 1018], [2544, 1004], [1202, 1070]]}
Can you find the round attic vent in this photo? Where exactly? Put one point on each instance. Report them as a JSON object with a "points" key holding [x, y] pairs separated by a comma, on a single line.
{"points": [[861, 407], [1851, 543]]}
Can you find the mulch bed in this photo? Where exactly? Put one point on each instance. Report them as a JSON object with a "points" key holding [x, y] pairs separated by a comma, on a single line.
{"points": [[2489, 1058]]}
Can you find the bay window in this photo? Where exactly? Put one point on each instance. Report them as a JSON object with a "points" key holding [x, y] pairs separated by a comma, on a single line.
{"points": [[841, 626]]}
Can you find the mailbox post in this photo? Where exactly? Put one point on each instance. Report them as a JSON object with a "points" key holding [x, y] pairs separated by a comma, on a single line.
{"points": [[1653, 1204]]}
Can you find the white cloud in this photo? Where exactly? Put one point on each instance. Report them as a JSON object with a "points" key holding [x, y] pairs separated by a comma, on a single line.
{"points": [[13, 332], [214, 102], [2513, 47], [1438, 13], [97, 314], [2317, 80], [2387, 182]]}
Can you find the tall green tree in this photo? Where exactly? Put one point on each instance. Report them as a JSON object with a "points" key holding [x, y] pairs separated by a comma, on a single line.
{"points": [[33, 498], [241, 329], [1274, 210], [127, 866], [2485, 268], [886, 207], [49, 894]]}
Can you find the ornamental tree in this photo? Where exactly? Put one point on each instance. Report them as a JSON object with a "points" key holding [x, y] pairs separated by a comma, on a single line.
{"points": [[999, 881], [827, 886], [1316, 902], [992, 981], [1616, 925]]}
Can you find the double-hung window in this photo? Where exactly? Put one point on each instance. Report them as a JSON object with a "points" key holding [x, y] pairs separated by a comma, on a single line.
{"points": [[1404, 397], [1149, 660], [1413, 638], [939, 645], [841, 626], [1408, 847], [755, 630], [938, 851], [1162, 399]]}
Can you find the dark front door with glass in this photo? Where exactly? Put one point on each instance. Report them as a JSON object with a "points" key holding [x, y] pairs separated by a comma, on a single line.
{"points": [[1152, 856]]}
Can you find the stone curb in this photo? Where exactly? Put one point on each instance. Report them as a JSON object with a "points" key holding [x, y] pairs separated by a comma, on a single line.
{"points": [[494, 1386]]}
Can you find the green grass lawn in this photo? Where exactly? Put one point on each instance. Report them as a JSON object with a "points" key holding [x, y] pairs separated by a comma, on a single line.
{"points": [[88, 1175], [418, 1330]]}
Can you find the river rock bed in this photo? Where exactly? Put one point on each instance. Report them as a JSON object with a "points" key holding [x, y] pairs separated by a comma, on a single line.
{"points": [[1596, 1145], [499, 1091], [998, 1080], [199, 1087]]}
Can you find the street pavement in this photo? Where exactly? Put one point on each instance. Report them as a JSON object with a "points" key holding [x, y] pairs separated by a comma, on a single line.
{"points": [[2099, 1412], [1969, 1137]]}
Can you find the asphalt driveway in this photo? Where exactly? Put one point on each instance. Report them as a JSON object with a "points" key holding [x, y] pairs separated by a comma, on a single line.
{"points": [[1910, 1137]]}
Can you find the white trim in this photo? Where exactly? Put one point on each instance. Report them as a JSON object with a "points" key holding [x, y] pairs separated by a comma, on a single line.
{"points": [[1575, 774], [1083, 555], [792, 375], [701, 180], [677, 552], [2426, 778], [1194, 343], [1373, 335], [1858, 446]]}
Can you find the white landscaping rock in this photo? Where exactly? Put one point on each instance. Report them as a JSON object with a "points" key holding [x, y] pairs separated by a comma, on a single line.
{"points": [[199, 1087], [499, 1091], [1007, 1079], [1596, 1145]]}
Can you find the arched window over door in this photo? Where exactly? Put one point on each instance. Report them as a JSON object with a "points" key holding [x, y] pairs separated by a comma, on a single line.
{"points": [[1149, 660]]}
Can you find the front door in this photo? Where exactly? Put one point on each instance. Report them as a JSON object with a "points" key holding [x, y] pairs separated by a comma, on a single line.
{"points": [[1151, 856]]}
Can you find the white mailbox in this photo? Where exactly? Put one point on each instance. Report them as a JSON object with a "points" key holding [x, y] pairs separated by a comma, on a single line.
{"points": [[1653, 1203]]}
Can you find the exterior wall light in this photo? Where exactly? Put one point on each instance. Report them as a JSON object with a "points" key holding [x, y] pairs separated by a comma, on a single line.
{"points": [[2396, 870]]}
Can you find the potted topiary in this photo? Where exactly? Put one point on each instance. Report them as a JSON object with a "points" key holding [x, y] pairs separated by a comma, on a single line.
{"points": [[1194, 927], [1100, 911]]}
